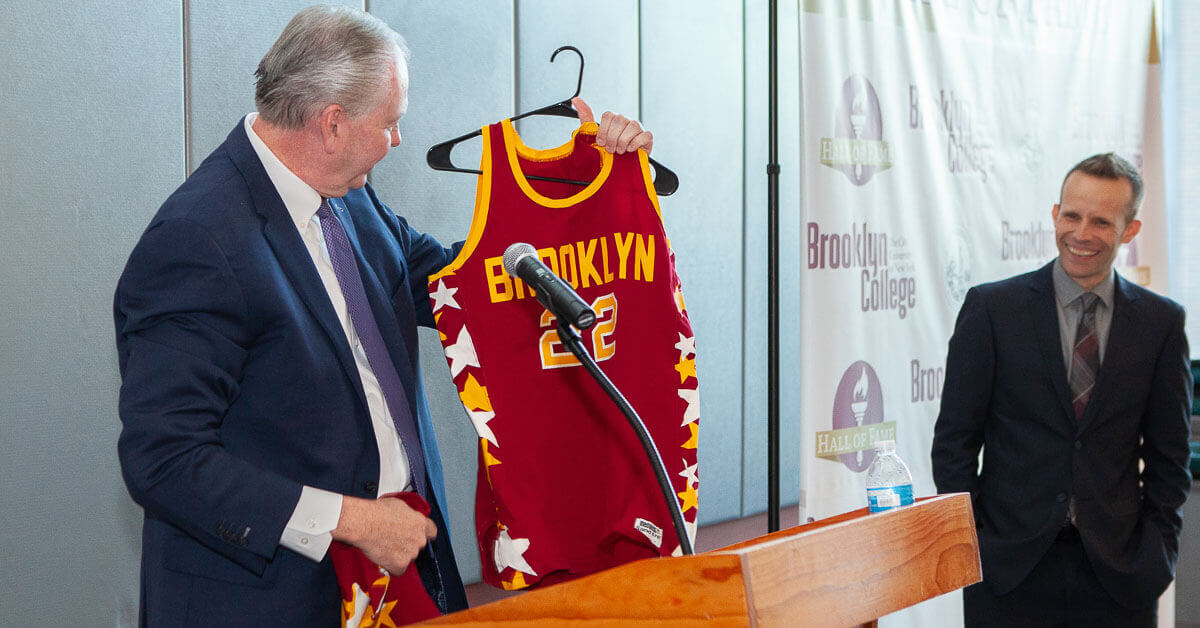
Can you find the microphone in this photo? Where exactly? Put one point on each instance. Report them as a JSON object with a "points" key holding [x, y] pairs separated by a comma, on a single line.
{"points": [[521, 260]]}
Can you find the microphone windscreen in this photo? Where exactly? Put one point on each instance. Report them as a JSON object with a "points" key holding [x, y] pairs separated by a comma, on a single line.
{"points": [[515, 253]]}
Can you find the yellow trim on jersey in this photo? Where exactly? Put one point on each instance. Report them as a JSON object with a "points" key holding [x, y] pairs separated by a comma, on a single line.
{"points": [[548, 154], [648, 178], [513, 144], [483, 192]]}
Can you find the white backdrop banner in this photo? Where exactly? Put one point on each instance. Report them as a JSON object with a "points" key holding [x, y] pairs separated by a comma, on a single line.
{"points": [[934, 137]]}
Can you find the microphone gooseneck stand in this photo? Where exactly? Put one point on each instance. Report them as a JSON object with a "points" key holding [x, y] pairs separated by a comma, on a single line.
{"points": [[567, 335]]}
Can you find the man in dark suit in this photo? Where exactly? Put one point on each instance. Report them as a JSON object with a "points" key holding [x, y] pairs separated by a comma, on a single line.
{"points": [[266, 332], [1076, 385]]}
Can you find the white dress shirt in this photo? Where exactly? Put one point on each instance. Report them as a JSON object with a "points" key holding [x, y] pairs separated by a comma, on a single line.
{"points": [[318, 511]]}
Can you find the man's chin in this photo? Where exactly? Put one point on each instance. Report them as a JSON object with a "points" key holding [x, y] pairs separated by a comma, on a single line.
{"points": [[1086, 273]]}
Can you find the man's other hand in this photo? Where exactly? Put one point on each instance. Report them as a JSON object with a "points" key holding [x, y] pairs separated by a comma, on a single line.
{"points": [[617, 133], [388, 531]]}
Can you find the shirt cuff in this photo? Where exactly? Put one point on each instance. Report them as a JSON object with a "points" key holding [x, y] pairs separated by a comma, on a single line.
{"points": [[316, 515]]}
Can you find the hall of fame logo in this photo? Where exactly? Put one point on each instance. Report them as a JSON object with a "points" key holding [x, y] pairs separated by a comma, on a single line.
{"points": [[857, 420], [857, 148], [957, 270]]}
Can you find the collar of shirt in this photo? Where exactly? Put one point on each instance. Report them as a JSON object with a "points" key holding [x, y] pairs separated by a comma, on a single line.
{"points": [[1066, 290], [301, 200]]}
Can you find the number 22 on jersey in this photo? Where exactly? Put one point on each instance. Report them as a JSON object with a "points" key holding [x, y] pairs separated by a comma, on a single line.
{"points": [[604, 346]]}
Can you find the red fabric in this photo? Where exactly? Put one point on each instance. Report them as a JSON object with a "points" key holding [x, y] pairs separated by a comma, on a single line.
{"points": [[390, 600], [561, 472]]}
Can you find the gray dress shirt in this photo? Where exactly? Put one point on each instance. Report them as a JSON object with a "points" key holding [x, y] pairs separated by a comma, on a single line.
{"points": [[1070, 310]]}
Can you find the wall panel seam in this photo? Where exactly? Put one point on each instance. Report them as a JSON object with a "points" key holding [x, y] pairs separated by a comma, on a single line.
{"points": [[516, 55], [745, 265], [640, 115], [185, 10]]}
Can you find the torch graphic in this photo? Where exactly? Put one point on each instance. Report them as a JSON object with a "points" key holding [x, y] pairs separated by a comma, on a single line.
{"points": [[859, 407], [858, 121]]}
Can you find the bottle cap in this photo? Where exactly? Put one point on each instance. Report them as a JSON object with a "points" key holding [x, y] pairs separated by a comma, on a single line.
{"points": [[885, 446]]}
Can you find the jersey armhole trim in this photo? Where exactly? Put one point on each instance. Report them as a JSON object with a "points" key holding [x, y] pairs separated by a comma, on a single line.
{"points": [[483, 193], [648, 179]]}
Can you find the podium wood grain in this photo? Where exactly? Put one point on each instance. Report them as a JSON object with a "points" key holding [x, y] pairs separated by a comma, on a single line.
{"points": [[860, 566], [841, 571]]}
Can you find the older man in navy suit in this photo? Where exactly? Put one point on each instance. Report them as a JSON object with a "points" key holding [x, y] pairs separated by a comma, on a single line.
{"points": [[1076, 385], [266, 331]]}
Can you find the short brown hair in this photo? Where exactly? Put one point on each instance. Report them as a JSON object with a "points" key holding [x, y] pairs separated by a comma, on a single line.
{"points": [[1111, 166]]}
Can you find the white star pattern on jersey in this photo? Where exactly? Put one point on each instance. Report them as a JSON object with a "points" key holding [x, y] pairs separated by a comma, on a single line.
{"points": [[689, 474], [362, 602], [692, 397], [480, 419], [686, 345], [444, 296], [510, 552], [462, 353]]}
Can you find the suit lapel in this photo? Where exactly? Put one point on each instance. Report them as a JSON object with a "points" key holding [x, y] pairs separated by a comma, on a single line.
{"points": [[1122, 341], [1044, 314], [283, 238]]}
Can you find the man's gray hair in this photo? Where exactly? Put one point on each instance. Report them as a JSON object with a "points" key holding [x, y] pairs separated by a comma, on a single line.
{"points": [[327, 54]]}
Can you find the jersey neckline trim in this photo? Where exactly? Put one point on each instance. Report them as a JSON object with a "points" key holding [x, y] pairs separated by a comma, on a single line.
{"points": [[513, 145]]}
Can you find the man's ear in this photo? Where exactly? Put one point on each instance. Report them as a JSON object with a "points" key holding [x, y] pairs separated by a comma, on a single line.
{"points": [[1054, 212], [332, 121], [1131, 230]]}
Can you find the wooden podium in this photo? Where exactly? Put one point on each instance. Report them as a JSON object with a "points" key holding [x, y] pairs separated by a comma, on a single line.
{"points": [[841, 571]]}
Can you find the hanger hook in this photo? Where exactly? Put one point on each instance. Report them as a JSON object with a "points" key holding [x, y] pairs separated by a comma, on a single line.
{"points": [[578, 85]]}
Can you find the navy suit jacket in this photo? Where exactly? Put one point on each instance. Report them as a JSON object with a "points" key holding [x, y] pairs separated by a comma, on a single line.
{"points": [[239, 387], [1006, 391]]}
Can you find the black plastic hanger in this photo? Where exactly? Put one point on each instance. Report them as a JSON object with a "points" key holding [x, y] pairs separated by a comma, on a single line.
{"points": [[438, 156]]}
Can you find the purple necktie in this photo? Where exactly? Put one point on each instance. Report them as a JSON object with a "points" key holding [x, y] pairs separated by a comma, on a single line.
{"points": [[1085, 360], [344, 267]]}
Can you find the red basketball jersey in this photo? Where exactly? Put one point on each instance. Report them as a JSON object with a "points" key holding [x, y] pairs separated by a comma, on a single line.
{"points": [[564, 487], [374, 598]]}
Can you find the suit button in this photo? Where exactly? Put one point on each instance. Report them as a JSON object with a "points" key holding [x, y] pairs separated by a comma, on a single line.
{"points": [[1061, 497], [1078, 444], [369, 488]]}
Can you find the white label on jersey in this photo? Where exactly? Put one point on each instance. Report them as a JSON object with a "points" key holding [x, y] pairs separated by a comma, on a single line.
{"points": [[652, 532]]}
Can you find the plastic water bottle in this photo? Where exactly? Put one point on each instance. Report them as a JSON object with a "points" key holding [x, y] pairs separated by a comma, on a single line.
{"points": [[889, 483]]}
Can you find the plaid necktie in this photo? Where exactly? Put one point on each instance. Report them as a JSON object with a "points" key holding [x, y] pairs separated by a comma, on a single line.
{"points": [[344, 267], [1085, 360]]}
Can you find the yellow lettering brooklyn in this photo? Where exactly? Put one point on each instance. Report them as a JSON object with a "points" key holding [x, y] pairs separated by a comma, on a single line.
{"points": [[583, 264]]}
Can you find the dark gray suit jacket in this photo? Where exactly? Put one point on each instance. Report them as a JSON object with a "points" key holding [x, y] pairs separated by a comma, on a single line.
{"points": [[1006, 391]]}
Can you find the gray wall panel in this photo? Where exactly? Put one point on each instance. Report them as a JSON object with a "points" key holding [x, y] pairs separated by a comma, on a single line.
{"points": [[607, 35], [691, 73], [227, 38], [97, 92], [754, 401], [92, 123], [461, 75]]}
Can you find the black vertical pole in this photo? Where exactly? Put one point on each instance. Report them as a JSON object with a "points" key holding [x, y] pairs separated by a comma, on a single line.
{"points": [[773, 271]]}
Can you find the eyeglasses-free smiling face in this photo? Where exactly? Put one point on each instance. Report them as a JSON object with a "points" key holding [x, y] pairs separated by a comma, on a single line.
{"points": [[1090, 225]]}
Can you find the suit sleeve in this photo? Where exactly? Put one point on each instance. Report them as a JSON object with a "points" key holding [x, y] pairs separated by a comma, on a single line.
{"points": [[1166, 429], [181, 339], [425, 256], [966, 399]]}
